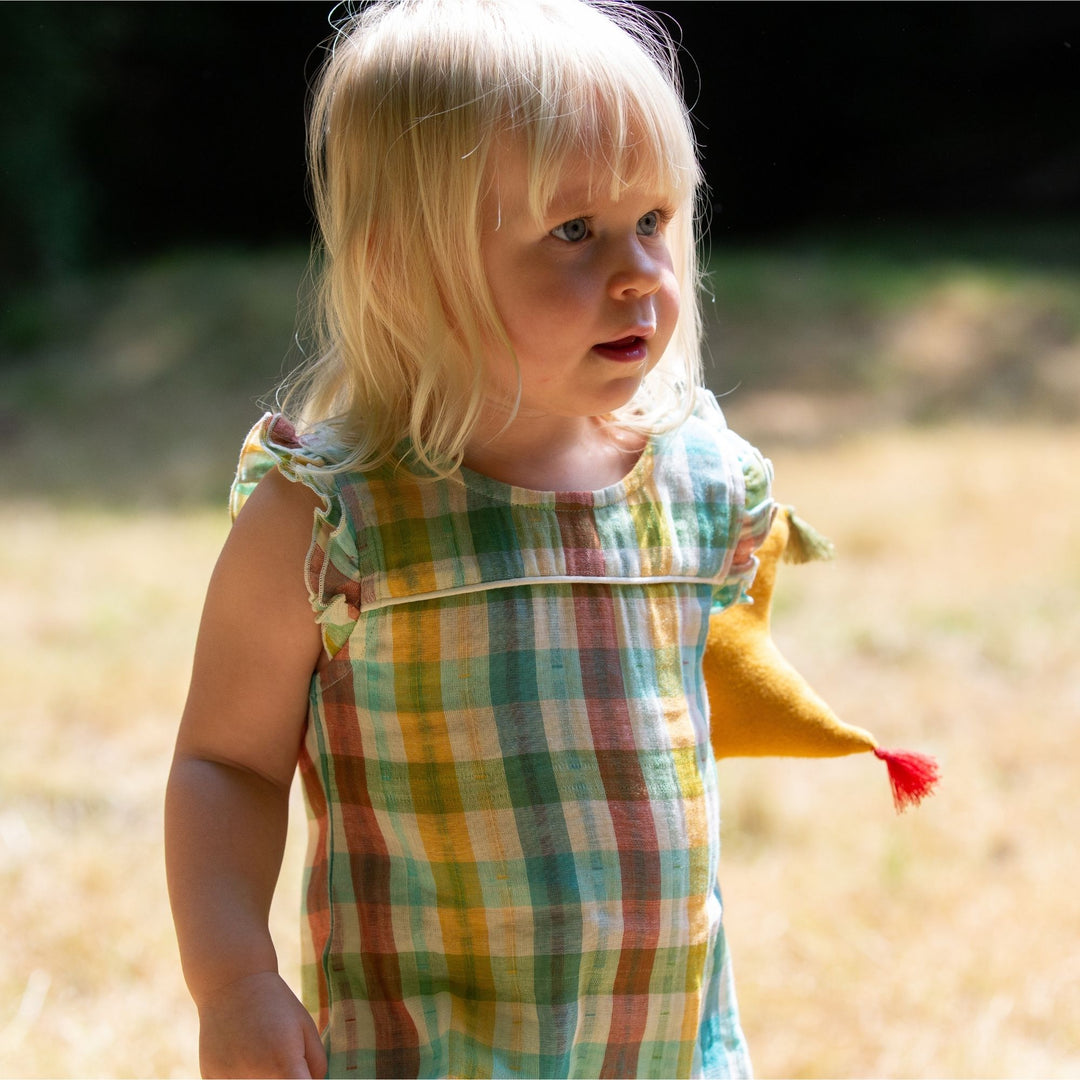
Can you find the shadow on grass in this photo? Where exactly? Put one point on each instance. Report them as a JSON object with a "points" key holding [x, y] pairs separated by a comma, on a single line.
{"points": [[134, 388], [902, 326]]}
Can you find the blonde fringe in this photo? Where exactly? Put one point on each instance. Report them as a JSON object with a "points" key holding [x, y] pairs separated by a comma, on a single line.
{"points": [[412, 102]]}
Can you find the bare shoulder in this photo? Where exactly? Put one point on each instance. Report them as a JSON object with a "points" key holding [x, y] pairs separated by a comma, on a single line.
{"points": [[262, 562], [258, 643], [278, 513]]}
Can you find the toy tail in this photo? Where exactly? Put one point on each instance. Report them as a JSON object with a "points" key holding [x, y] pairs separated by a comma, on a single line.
{"points": [[804, 542], [913, 776]]}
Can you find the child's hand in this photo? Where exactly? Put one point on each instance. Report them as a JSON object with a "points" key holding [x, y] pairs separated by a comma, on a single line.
{"points": [[256, 1027]]}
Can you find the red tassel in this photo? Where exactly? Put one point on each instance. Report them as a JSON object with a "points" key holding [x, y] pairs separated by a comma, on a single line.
{"points": [[913, 776]]}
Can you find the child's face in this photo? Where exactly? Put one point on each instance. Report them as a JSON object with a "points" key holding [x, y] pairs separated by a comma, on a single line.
{"points": [[588, 297]]}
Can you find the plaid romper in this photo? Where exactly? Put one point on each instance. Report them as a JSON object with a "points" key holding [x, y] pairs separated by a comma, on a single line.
{"points": [[512, 797]]}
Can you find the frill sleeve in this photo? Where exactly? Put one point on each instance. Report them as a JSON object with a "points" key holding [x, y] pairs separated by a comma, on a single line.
{"points": [[750, 521], [330, 568]]}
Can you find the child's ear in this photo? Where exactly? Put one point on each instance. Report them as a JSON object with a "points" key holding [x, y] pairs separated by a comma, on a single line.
{"points": [[760, 706]]}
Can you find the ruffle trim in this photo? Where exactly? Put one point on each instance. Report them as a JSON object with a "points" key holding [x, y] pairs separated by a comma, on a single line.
{"points": [[330, 568], [752, 521]]}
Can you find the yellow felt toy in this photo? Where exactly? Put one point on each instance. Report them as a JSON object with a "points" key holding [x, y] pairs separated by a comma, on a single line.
{"points": [[761, 706]]}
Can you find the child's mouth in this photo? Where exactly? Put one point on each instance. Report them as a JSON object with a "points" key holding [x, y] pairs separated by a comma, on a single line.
{"points": [[631, 349]]}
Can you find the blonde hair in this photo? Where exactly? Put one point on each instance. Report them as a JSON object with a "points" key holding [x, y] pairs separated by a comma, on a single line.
{"points": [[412, 103]]}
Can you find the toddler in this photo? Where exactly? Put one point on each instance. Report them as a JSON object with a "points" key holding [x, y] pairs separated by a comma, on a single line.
{"points": [[469, 580]]}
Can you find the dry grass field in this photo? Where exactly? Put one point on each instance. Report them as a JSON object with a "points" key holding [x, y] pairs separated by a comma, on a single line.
{"points": [[939, 943]]}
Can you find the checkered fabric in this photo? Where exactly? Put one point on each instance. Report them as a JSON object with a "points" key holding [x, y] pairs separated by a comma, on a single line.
{"points": [[512, 797]]}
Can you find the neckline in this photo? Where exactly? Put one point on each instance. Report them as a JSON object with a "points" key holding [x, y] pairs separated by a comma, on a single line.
{"points": [[499, 491]]}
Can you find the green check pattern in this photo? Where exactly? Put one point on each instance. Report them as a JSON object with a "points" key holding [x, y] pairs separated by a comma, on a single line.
{"points": [[512, 797]]}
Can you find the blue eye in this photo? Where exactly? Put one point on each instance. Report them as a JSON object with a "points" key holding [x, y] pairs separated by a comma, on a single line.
{"points": [[572, 231], [649, 224]]}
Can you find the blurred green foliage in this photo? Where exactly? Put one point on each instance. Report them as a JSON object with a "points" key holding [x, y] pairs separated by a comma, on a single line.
{"points": [[128, 129], [49, 89], [133, 385]]}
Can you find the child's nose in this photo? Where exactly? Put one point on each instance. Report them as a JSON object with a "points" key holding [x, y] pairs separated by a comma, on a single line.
{"points": [[636, 272]]}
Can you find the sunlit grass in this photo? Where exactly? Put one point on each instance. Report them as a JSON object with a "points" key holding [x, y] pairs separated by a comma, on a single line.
{"points": [[937, 943], [931, 944], [100, 611], [865, 944]]}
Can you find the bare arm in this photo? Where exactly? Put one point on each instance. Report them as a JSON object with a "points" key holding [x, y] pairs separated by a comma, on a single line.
{"points": [[227, 801]]}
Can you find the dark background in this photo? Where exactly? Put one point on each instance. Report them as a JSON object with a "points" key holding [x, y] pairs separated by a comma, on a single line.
{"points": [[132, 128]]}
